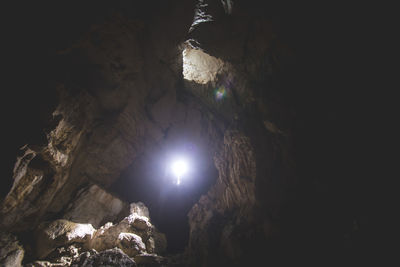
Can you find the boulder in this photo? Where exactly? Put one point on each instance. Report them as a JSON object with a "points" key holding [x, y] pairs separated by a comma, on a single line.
{"points": [[109, 235], [131, 244], [59, 233]]}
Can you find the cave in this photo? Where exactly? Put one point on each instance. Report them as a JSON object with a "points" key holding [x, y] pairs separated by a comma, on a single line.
{"points": [[184, 133]]}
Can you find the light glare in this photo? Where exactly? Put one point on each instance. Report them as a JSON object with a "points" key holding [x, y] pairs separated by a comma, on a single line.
{"points": [[179, 168]]}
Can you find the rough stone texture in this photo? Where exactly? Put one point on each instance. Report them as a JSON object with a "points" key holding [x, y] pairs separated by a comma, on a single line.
{"points": [[62, 256], [111, 257], [95, 206], [42, 171], [109, 235], [131, 244], [230, 203], [132, 234], [235, 219], [200, 67], [140, 209], [11, 252], [49, 236], [102, 122]]}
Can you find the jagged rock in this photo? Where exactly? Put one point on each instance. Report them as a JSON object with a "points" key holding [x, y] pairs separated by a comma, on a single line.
{"points": [[79, 261], [11, 252], [132, 234], [60, 233], [63, 255], [141, 224], [110, 257], [108, 235], [131, 244], [32, 175]]}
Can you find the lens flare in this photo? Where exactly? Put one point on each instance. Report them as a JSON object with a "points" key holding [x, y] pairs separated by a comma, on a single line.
{"points": [[220, 93]]}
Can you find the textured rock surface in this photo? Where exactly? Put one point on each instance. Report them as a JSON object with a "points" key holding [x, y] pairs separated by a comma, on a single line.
{"points": [[131, 244], [229, 204], [95, 206], [102, 121], [11, 252], [111, 257], [232, 223], [119, 235], [140, 209], [59, 233], [134, 235]]}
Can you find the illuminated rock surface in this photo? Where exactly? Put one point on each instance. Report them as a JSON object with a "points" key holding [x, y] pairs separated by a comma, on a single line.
{"points": [[65, 242]]}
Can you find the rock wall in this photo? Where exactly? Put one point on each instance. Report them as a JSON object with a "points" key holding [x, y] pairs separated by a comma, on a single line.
{"points": [[235, 222], [109, 82], [66, 243]]}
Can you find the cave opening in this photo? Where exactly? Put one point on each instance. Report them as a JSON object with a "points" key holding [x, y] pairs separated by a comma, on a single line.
{"points": [[149, 179]]}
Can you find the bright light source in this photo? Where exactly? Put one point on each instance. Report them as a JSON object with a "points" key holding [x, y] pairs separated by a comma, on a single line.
{"points": [[179, 168]]}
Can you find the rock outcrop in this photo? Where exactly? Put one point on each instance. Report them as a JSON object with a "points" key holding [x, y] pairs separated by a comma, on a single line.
{"points": [[59, 233], [112, 83], [65, 242], [95, 206]]}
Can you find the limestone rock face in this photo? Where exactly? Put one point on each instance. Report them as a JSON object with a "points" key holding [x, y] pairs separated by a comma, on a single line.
{"points": [[62, 256], [113, 82], [95, 206], [233, 194], [119, 235], [66, 242], [60, 233], [131, 244], [232, 223], [11, 252], [140, 209]]}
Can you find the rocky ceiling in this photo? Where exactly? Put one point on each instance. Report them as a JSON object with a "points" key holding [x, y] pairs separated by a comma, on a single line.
{"points": [[101, 95]]}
